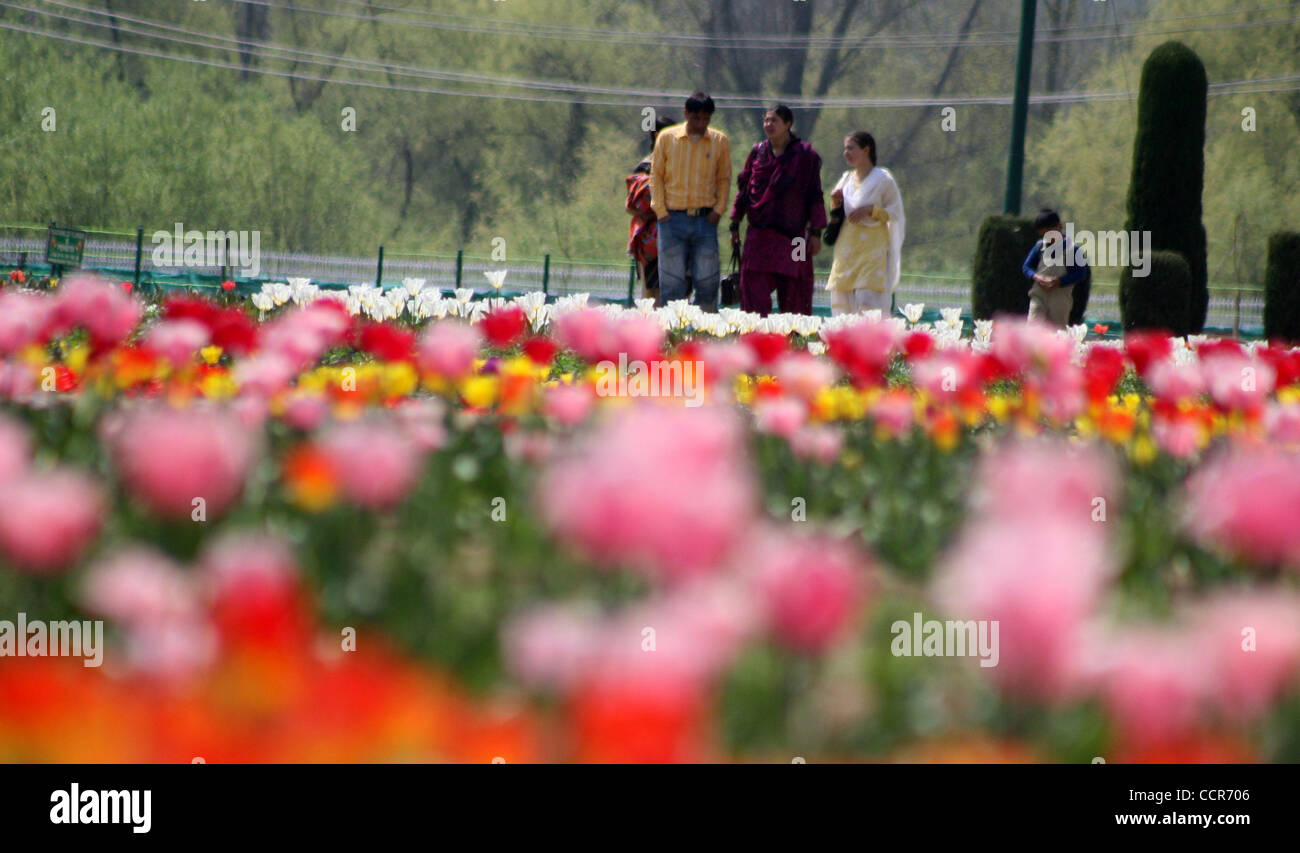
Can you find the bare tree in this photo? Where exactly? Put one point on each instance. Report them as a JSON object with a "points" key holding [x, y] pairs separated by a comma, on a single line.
{"points": [[253, 24], [795, 71]]}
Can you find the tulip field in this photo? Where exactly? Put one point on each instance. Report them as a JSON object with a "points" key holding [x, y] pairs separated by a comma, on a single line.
{"points": [[408, 526]]}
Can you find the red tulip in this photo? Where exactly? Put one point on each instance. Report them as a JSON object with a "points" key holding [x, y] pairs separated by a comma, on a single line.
{"points": [[767, 346], [918, 345], [385, 342], [1103, 368], [1146, 347], [504, 326], [541, 350]]}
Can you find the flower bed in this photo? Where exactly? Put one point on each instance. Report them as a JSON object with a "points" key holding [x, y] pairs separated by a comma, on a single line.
{"points": [[403, 526]]}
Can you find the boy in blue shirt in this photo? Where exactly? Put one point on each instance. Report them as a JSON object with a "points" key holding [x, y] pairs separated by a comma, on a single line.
{"points": [[1054, 266]]}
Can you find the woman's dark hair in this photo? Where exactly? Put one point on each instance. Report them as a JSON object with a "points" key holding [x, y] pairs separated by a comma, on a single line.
{"points": [[865, 141], [783, 113], [699, 103], [660, 123]]}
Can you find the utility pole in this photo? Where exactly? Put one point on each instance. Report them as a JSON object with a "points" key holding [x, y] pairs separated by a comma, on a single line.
{"points": [[1020, 108]]}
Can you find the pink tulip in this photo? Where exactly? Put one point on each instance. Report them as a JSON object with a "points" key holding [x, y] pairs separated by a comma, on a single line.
{"points": [[534, 446], [1282, 422], [551, 647], [811, 585], [894, 413], [251, 412], [781, 416], [1020, 345], [302, 335], [448, 348], [15, 448], [48, 519], [586, 332], [863, 349], [568, 405], [1252, 646], [803, 375], [663, 490], [168, 458], [138, 586], [376, 462], [101, 308], [1154, 684], [705, 623], [1178, 437], [723, 362], [944, 374], [17, 381], [24, 318], [1061, 393], [1246, 502], [157, 605], [819, 443], [1031, 479], [688, 635], [297, 343], [236, 565], [1041, 577], [265, 374], [305, 411], [177, 340], [639, 336], [171, 650], [1175, 382], [423, 421], [1237, 382]]}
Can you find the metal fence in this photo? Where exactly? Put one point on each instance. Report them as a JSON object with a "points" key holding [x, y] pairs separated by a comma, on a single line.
{"points": [[1233, 308]]}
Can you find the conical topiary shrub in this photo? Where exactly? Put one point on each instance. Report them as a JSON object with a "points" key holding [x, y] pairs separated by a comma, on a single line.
{"points": [[1082, 291], [1282, 287], [1159, 300], [1164, 193], [997, 284]]}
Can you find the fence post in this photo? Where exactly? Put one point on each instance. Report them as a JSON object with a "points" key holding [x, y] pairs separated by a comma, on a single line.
{"points": [[631, 283], [546, 274], [139, 248], [460, 256], [379, 273], [56, 270], [1236, 314]]}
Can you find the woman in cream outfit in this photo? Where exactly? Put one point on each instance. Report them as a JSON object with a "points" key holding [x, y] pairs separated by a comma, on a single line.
{"points": [[864, 273]]}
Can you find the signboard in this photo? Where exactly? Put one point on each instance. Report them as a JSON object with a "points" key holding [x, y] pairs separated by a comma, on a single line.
{"points": [[65, 246]]}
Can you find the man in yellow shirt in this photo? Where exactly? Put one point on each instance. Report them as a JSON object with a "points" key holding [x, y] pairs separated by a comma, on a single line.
{"points": [[690, 186]]}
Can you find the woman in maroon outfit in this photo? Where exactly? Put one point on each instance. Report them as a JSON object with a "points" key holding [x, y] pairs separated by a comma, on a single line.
{"points": [[781, 193]]}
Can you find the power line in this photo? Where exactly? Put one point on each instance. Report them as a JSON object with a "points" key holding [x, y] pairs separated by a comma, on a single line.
{"points": [[266, 50], [740, 102], [529, 26], [557, 32]]}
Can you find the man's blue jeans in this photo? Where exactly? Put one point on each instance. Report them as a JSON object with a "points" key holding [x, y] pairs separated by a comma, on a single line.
{"points": [[688, 242]]}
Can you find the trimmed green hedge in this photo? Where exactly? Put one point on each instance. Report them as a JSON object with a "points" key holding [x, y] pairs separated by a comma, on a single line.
{"points": [[1162, 299], [1164, 194], [997, 283], [1082, 291], [1282, 287]]}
